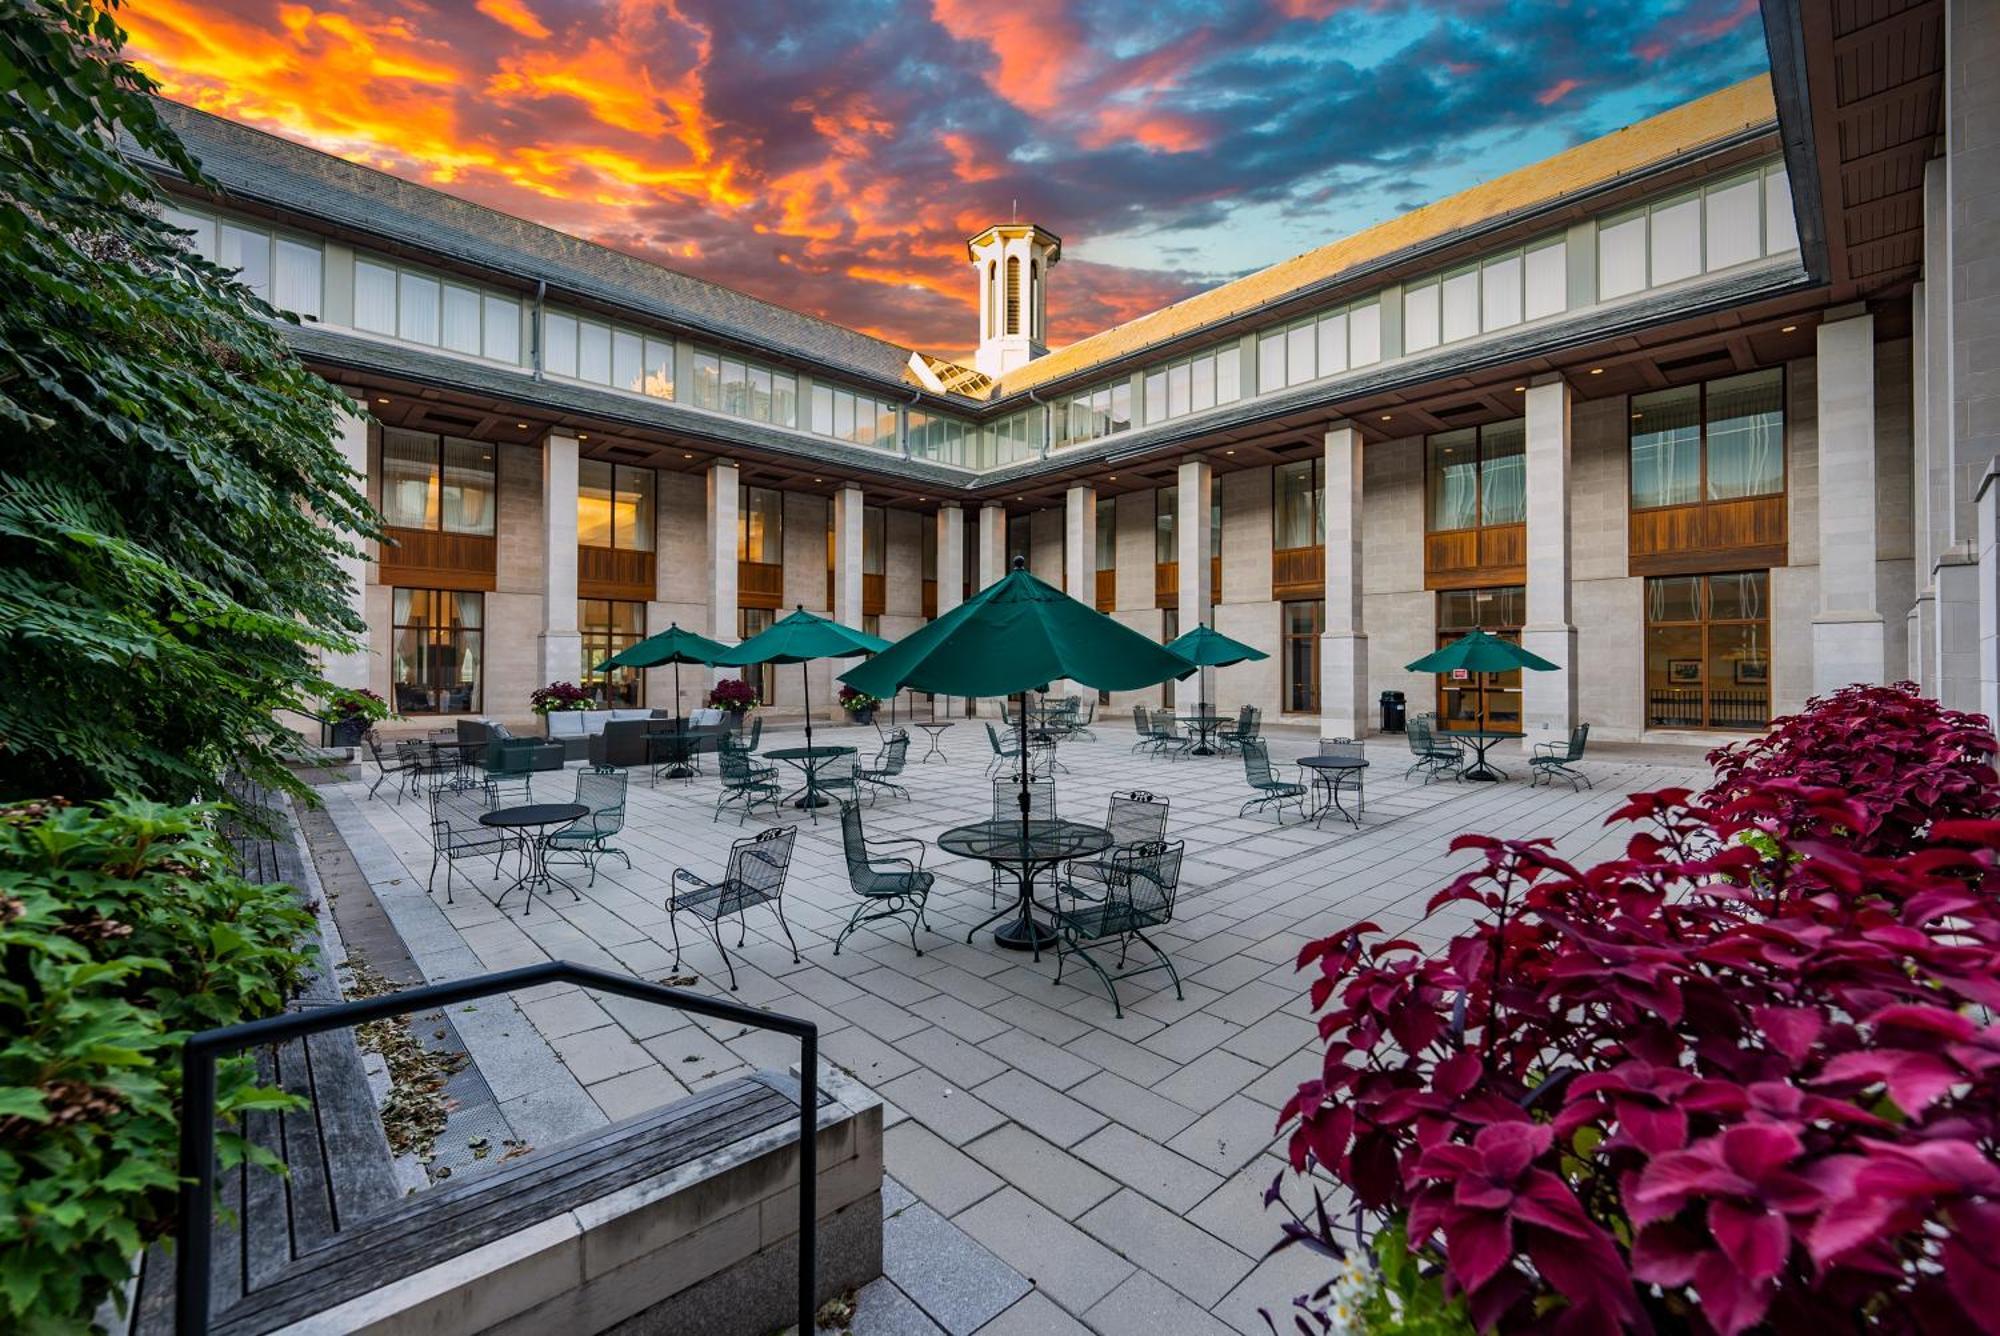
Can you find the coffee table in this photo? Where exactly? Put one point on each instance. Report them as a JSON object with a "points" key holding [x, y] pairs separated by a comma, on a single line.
{"points": [[534, 820], [1024, 849], [1203, 727], [936, 732], [1482, 740], [1328, 771], [808, 760]]}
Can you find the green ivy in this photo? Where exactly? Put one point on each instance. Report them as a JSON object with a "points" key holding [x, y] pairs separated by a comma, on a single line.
{"points": [[123, 927], [173, 511]]}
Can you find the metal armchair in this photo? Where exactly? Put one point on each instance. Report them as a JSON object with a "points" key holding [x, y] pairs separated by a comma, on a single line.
{"points": [[398, 764], [1270, 790], [882, 775], [588, 838], [1432, 756], [1134, 819], [1138, 895], [745, 783], [890, 886], [456, 832], [1558, 758], [755, 875]]}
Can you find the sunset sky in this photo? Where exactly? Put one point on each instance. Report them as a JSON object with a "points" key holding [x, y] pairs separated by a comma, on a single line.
{"points": [[835, 156]]}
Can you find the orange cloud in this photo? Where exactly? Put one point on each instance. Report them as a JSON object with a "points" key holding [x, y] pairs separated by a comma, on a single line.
{"points": [[515, 15], [1555, 92]]}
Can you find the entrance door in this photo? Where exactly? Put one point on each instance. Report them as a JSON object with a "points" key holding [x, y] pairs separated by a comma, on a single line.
{"points": [[1304, 620], [1498, 611]]}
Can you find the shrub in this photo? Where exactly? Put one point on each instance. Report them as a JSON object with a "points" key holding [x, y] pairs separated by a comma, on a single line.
{"points": [[854, 701], [173, 511], [122, 928], [356, 703], [1744, 1074], [734, 695], [557, 697]]}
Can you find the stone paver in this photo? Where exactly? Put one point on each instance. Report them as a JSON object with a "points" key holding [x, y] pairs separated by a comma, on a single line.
{"points": [[1045, 1133]]}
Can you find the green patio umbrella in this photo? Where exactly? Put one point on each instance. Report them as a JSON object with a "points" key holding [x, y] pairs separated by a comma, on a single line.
{"points": [[1480, 653], [1206, 647], [672, 645], [1018, 634], [799, 638]]}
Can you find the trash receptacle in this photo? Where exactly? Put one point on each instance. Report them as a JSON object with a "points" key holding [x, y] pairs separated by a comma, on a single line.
{"points": [[1392, 712]]}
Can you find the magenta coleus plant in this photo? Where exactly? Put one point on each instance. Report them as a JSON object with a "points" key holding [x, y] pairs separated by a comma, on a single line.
{"points": [[1744, 1076]]}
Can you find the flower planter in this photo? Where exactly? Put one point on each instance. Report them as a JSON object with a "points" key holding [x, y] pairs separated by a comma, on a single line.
{"points": [[866, 716], [348, 732]]}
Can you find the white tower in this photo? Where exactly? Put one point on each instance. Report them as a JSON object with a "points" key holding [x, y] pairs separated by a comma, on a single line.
{"points": [[1013, 262]]}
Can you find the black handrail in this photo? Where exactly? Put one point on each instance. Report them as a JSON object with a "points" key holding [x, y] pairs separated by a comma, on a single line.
{"points": [[192, 1260]]}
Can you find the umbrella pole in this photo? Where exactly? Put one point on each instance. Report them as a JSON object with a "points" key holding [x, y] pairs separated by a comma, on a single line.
{"points": [[806, 694]]}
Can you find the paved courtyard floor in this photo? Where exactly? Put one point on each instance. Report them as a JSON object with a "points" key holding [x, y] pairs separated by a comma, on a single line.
{"points": [[1053, 1168]]}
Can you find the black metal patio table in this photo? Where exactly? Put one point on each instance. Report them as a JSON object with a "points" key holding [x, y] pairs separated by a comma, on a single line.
{"points": [[1482, 740], [936, 730], [672, 750], [1024, 849], [1328, 771], [463, 757], [808, 761], [1203, 727], [534, 820]]}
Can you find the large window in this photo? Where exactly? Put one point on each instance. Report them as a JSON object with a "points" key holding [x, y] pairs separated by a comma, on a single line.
{"points": [[1322, 345], [437, 482], [760, 525], [853, 417], [743, 389], [1721, 441], [1478, 476], [1166, 530], [614, 506], [285, 271], [1107, 533], [945, 440], [607, 354], [750, 622], [1104, 411], [420, 307], [1485, 700], [1013, 438], [436, 650], [1708, 650], [874, 539], [1497, 292], [1725, 223], [1304, 620], [1195, 383], [608, 626], [1298, 501], [1020, 541]]}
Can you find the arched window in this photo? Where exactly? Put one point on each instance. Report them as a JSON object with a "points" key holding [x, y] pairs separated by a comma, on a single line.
{"points": [[1013, 294], [992, 300], [1035, 298]]}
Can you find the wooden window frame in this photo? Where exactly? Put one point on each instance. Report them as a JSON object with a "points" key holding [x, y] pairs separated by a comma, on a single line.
{"points": [[1706, 625], [1647, 556]]}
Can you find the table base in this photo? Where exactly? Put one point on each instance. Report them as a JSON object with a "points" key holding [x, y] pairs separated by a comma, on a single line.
{"points": [[537, 875], [1026, 934]]}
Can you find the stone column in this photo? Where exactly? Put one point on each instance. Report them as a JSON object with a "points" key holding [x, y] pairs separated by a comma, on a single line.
{"points": [[992, 543], [1988, 500], [1193, 496], [562, 647], [1548, 700], [1848, 640], [350, 669], [1343, 647], [1079, 558], [847, 542], [725, 500], [950, 572]]}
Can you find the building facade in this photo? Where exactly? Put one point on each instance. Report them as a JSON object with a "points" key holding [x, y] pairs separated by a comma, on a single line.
{"points": [[1701, 411]]}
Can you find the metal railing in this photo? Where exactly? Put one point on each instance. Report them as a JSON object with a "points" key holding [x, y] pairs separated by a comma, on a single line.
{"points": [[192, 1253]]}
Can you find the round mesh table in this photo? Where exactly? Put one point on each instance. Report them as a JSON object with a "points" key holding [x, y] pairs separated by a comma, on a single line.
{"points": [[808, 760], [1026, 850], [535, 818]]}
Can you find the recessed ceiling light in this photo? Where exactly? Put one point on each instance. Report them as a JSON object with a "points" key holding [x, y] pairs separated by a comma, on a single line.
{"points": [[1597, 371], [1112, 478], [381, 401], [521, 425], [1228, 452], [687, 456], [1520, 389], [1387, 416], [1020, 498], [819, 479], [1788, 329], [583, 436], [1637, 416]]}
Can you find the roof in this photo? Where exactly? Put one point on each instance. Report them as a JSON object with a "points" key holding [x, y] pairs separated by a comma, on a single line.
{"points": [[1659, 139], [256, 165]]}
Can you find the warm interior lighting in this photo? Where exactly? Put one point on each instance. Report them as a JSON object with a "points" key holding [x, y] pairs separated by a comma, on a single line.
{"points": [[1520, 389], [521, 425], [1228, 452], [687, 456], [381, 401], [1387, 416], [1788, 329], [1597, 371]]}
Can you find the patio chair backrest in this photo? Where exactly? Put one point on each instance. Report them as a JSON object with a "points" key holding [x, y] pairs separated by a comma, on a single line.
{"points": [[1000, 748], [1342, 747], [382, 763], [735, 767], [1253, 722], [1136, 818], [894, 754], [1147, 877], [1579, 738], [854, 844], [836, 772], [602, 790], [1007, 800], [455, 820], [757, 865], [1166, 726], [1418, 729], [1256, 763], [1140, 723]]}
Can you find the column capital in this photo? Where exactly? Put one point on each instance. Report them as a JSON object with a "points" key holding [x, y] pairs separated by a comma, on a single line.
{"points": [[1340, 424], [1542, 378]]}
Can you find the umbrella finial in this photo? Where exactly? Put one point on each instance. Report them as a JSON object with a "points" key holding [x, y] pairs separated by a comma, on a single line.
{"points": [[1019, 563]]}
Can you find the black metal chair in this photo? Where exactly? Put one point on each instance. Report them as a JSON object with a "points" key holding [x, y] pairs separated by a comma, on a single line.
{"points": [[400, 768], [838, 778], [755, 875], [1168, 740], [1558, 758], [1334, 782], [1433, 757], [1139, 894], [518, 761], [745, 783], [456, 832], [1006, 748], [587, 839], [882, 775], [890, 886], [1229, 737], [1133, 818], [1269, 788], [1142, 725], [1007, 807]]}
